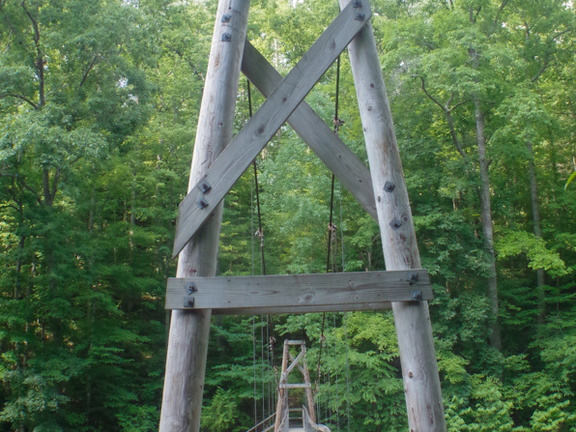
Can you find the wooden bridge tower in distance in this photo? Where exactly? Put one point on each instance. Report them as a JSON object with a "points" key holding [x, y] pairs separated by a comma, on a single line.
{"points": [[220, 159]]}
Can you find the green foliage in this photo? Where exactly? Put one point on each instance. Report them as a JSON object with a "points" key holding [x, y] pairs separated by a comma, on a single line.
{"points": [[99, 102], [512, 244]]}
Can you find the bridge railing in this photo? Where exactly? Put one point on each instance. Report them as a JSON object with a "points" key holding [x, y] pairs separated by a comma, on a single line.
{"points": [[309, 425], [265, 425]]}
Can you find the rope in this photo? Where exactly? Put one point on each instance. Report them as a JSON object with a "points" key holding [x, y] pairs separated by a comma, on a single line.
{"points": [[330, 264], [260, 232], [331, 227], [254, 367]]}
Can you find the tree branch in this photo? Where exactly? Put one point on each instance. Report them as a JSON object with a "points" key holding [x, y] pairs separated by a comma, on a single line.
{"points": [[21, 180], [39, 55], [500, 9], [33, 21], [541, 71], [21, 97], [432, 98], [447, 113], [88, 71]]}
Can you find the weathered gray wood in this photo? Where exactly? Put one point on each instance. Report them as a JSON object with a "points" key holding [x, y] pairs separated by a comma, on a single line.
{"points": [[295, 386], [417, 355], [292, 366], [189, 330], [290, 309], [351, 172], [282, 403], [283, 386], [230, 165], [293, 292]]}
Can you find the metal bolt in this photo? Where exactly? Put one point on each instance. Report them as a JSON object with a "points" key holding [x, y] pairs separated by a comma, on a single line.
{"points": [[205, 186], [227, 37], [191, 288], [202, 203], [226, 18], [395, 224], [360, 17], [417, 295], [189, 302], [412, 278], [357, 4], [389, 186]]}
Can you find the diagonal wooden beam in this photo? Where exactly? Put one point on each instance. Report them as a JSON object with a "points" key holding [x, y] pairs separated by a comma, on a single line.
{"points": [[351, 172], [292, 366], [233, 161]]}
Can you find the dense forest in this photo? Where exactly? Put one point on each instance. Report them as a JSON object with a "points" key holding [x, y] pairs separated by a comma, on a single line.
{"points": [[98, 106]]}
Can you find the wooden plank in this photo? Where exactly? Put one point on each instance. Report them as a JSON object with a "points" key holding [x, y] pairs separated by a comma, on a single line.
{"points": [[413, 327], [294, 342], [298, 309], [295, 386], [296, 293], [351, 172], [232, 162]]}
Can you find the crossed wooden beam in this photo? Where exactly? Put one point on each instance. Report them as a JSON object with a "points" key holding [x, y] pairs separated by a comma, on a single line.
{"points": [[285, 103]]}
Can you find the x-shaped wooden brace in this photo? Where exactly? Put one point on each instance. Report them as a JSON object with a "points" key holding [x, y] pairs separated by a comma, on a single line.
{"points": [[286, 97]]}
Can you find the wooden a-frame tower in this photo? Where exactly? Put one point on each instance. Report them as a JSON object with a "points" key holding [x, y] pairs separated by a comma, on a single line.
{"points": [[219, 160]]}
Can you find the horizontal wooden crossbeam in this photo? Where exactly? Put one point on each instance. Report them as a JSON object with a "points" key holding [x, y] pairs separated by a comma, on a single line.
{"points": [[295, 386], [298, 293], [237, 156]]}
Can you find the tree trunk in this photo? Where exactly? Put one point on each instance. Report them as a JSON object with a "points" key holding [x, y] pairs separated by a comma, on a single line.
{"points": [[537, 228], [487, 230]]}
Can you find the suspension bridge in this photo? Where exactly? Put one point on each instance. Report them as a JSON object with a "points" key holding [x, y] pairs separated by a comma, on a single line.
{"points": [[287, 418], [219, 160]]}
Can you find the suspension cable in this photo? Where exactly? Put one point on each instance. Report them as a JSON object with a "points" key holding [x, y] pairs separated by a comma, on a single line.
{"points": [[260, 232], [331, 227]]}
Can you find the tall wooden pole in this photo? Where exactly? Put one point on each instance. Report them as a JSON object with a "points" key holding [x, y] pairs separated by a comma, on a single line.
{"points": [[189, 330], [413, 327]]}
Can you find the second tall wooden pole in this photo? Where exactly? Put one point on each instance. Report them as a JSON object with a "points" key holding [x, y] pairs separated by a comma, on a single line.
{"points": [[190, 330], [413, 327]]}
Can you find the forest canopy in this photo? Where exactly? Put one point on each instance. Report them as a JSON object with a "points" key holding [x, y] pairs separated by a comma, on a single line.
{"points": [[98, 105]]}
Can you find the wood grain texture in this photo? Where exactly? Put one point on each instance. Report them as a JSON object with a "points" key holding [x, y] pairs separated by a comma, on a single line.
{"points": [[189, 330], [415, 340], [296, 293], [242, 150], [351, 172]]}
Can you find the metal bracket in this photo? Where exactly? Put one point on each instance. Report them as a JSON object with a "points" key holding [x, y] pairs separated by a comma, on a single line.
{"points": [[188, 302], [412, 278], [202, 203], [204, 186], [395, 224], [191, 288], [417, 295]]}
